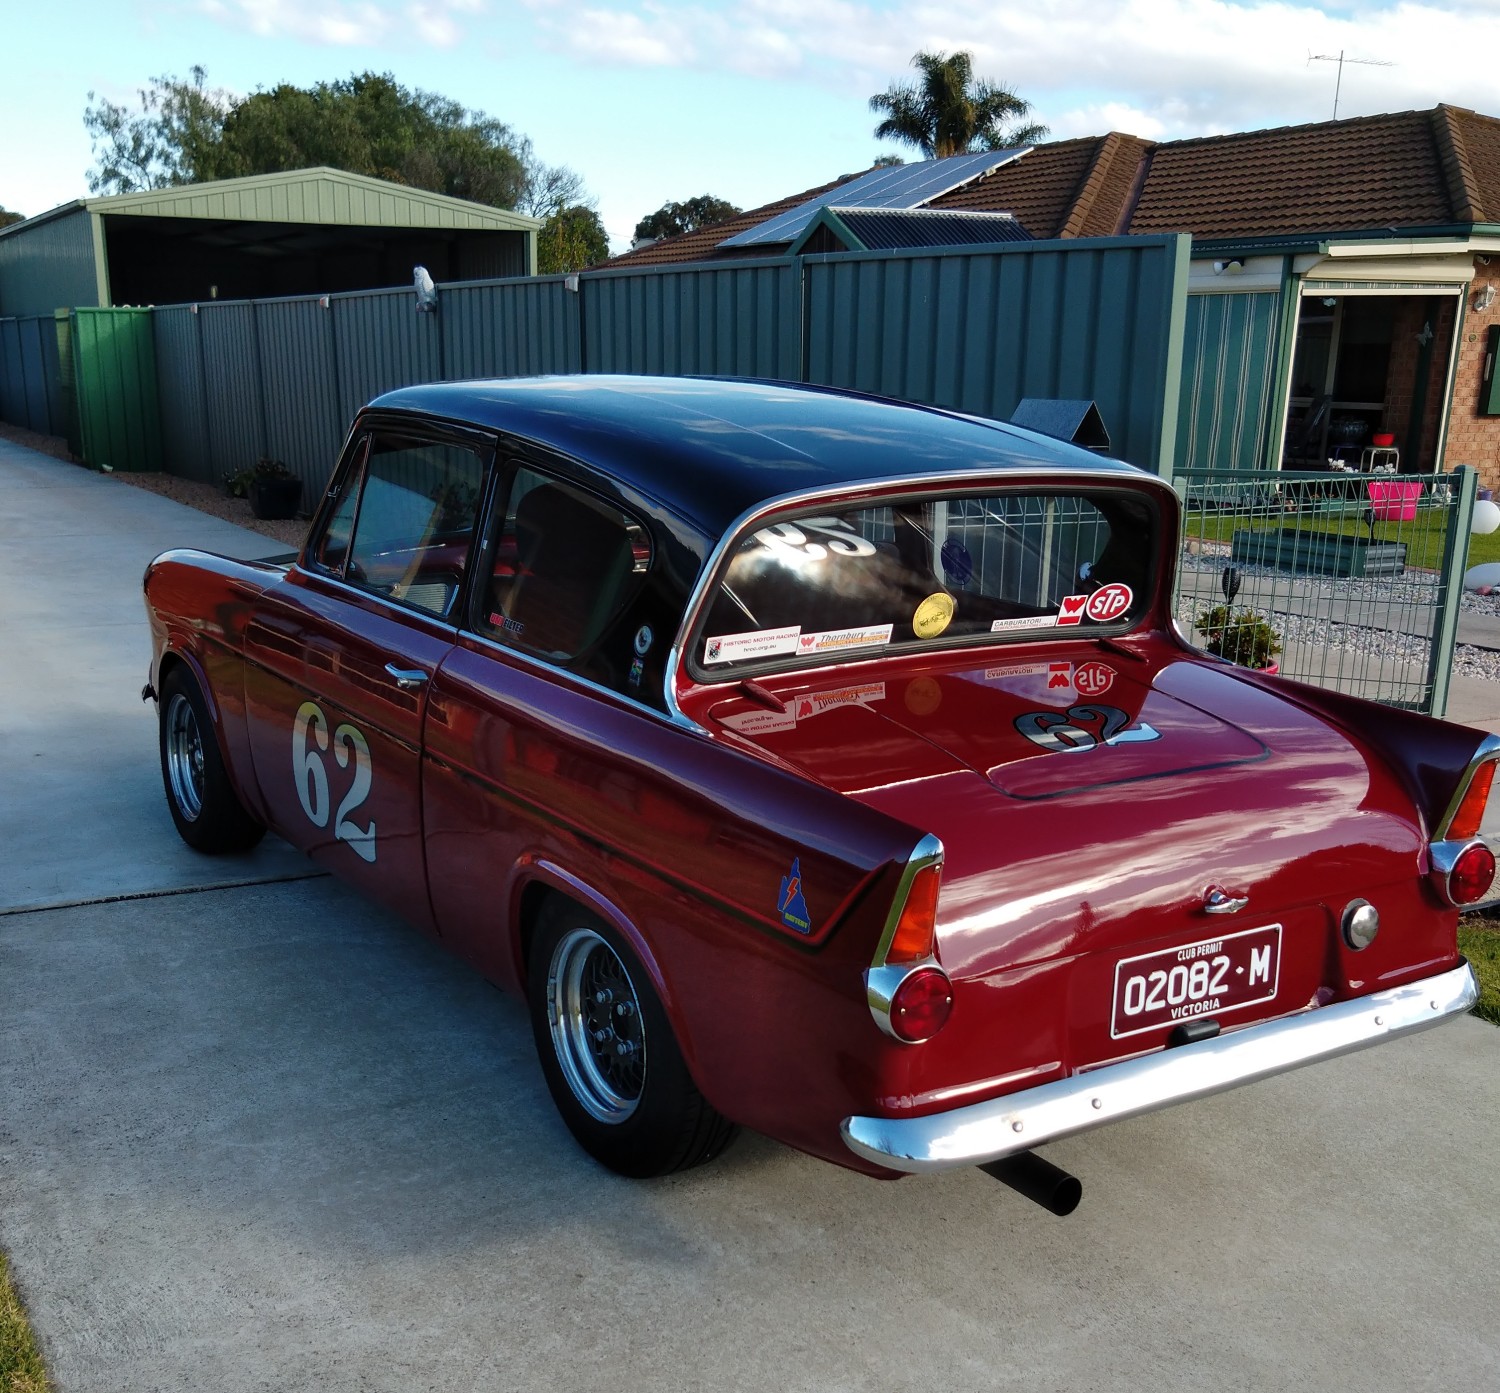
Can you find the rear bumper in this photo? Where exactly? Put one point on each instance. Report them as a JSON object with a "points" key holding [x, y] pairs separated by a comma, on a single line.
{"points": [[981, 1132]]}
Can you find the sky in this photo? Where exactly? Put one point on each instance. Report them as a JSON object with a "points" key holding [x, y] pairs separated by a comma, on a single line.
{"points": [[749, 101]]}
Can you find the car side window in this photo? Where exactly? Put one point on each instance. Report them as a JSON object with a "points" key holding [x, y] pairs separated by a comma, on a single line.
{"points": [[412, 520], [563, 566], [332, 550]]}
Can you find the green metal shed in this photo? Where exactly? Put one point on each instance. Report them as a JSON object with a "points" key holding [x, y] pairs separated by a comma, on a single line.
{"points": [[307, 231]]}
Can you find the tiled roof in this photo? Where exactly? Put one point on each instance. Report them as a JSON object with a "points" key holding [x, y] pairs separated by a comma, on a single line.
{"points": [[1404, 170]]}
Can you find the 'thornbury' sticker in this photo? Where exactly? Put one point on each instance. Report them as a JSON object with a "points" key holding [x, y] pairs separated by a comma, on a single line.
{"points": [[758, 643], [838, 640]]}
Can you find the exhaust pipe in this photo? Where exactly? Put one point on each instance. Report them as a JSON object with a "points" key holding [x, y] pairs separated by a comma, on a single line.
{"points": [[1028, 1174]]}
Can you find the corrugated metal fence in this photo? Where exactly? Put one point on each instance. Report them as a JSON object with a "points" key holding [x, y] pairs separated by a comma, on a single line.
{"points": [[30, 380], [976, 328]]}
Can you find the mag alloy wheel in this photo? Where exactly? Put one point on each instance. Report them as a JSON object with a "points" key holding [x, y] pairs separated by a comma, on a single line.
{"points": [[598, 1036], [184, 757]]}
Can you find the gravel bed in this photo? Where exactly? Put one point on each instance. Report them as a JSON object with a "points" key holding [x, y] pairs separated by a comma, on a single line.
{"points": [[206, 498]]}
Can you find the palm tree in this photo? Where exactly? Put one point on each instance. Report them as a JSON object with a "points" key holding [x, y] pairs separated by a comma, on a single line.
{"points": [[950, 112]]}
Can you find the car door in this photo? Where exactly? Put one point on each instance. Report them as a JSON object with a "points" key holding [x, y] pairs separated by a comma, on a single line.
{"points": [[339, 656]]}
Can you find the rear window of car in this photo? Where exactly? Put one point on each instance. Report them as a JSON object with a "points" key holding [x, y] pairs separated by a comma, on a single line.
{"points": [[821, 584]]}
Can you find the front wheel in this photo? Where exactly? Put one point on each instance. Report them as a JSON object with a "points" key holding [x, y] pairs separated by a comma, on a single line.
{"points": [[608, 1051], [205, 808]]}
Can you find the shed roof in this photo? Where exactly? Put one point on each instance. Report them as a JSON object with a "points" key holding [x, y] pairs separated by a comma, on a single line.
{"points": [[321, 196]]}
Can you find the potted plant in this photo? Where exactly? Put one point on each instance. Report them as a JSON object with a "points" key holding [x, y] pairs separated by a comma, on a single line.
{"points": [[237, 484], [274, 491], [1244, 638]]}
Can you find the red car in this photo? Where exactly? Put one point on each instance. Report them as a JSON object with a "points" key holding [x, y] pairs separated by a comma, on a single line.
{"points": [[816, 764]]}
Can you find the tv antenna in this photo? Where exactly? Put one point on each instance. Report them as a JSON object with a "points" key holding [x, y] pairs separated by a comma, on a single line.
{"points": [[1341, 60]]}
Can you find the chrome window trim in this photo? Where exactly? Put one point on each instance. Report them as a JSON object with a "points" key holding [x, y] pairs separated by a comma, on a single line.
{"points": [[1488, 752], [968, 479], [981, 1132]]}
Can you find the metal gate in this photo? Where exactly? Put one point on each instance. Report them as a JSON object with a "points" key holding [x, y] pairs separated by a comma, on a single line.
{"points": [[1359, 574]]}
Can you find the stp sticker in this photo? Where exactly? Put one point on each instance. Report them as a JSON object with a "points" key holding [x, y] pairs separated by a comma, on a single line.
{"points": [[1071, 610], [1109, 602], [1059, 675], [1093, 679]]}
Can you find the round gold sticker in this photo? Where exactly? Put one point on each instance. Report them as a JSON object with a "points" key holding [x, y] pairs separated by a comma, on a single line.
{"points": [[933, 615]]}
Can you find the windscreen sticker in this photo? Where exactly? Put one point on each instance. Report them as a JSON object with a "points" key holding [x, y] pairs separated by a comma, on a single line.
{"points": [[637, 668], [958, 563], [1028, 621], [1071, 610], [1109, 602], [994, 674], [837, 640], [758, 643], [643, 640], [791, 904], [511, 626], [933, 615], [1093, 679], [1059, 675]]}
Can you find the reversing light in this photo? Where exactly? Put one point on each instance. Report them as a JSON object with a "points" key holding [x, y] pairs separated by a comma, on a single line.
{"points": [[1361, 923], [921, 1004], [1472, 874], [1465, 821]]}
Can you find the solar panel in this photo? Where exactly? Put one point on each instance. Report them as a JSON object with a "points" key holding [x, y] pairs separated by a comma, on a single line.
{"points": [[896, 186]]}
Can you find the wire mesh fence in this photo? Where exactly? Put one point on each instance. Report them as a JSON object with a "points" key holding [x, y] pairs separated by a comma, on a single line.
{"points": [[1356, 574]]}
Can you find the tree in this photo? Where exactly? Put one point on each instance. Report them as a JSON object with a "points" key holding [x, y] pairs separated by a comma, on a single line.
{"points": [[368, 123], [673, 218], [173, 139], [949, 112], [572, 239], [7, 217]]}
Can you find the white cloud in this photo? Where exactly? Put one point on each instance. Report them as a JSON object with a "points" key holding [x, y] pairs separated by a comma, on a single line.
{"points": [[347, 23], [1162, 68]]}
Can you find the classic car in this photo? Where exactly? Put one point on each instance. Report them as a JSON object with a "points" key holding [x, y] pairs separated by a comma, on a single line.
{"points": [[817, 764]]}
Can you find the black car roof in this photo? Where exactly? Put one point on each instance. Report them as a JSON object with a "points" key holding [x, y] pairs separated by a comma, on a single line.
{"points": [[710, 448]]}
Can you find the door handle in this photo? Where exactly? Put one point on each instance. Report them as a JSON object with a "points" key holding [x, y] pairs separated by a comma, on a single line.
{"points": [[1216, 901], [409, 679]]}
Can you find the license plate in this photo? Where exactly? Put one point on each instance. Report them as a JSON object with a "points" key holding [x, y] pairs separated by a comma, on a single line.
{"points": [[1201, 979]]}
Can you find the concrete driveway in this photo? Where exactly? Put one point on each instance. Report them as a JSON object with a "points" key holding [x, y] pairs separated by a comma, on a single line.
{"points": [[255, 1134]]}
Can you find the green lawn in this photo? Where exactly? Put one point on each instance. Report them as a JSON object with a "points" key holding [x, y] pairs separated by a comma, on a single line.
{"points": [[1479, 942], [20, 1364], [1423, 535]]}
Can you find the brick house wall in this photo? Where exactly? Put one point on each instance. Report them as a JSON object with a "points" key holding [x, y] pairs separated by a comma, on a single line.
{"points": [[1412, 315], [1472, 438]]}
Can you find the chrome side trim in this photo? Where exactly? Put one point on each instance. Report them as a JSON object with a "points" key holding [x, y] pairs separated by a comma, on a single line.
{"points": [[1489, 749], [983, 1132], [933, 479]]}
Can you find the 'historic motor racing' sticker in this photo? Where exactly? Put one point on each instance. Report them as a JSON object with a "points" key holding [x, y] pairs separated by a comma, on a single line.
{"points": [[838, 640], [1071, 610], [791, 904], [1093, 679], [1027, 621], [933, 615], [758, 643], [1109, 602]]}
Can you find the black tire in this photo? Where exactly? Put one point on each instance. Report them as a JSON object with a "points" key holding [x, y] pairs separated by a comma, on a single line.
{"points": [[208, 814], [626, 1096]]}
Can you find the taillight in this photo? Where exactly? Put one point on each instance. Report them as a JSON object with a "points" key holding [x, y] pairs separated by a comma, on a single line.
{"points": [[1472, 874], [1464, 824], [921, 1004], [910, 995], [916, 928]]}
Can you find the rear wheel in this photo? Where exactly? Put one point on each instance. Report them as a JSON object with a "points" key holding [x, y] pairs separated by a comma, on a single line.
{"points": [[205, 808], [609, 1054]]}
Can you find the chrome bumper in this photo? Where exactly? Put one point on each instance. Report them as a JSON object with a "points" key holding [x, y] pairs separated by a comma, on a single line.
{"points": [[981, 1132]]}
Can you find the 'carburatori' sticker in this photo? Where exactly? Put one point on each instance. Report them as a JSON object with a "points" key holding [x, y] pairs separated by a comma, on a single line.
{"points": [[1029, 621], [758, 643], [836, 640]]}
